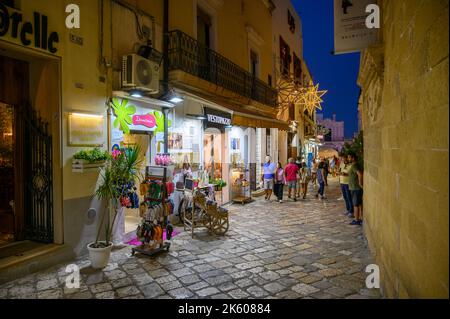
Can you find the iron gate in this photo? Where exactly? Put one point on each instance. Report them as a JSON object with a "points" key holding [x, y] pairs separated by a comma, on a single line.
{"points": [[38, 190]]}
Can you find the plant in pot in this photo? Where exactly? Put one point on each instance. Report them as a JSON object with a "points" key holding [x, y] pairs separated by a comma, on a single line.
{"points": [[121, 169], [220, 184]]}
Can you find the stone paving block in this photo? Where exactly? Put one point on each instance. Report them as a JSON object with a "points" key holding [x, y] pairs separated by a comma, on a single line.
{"points": [[142, 279], [198, 286], [181, 293], [257, 292], [165, 279], [274, 287], [214, 281], [207, 292], [171, 285], [98, 288], [238, 294], [80, 295], [51, 294], [304, 289], [106, 295], [47, 284], [124, 282], [152, 290]]}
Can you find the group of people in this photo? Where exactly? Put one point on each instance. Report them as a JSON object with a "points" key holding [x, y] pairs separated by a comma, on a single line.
{"points": [[351, 180], [297, 176]]}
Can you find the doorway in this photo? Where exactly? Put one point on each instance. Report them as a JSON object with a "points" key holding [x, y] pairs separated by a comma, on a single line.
{"points": [[213, 157], [144, 140], [7, 175], [26, 157]]}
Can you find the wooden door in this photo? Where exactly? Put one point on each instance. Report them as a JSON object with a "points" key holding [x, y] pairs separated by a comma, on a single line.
{"points": [[14, 94]]}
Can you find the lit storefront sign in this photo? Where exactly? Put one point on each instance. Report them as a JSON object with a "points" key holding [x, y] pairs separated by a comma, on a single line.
{"points": [[86, 130], [36, 33], [216, 119]]}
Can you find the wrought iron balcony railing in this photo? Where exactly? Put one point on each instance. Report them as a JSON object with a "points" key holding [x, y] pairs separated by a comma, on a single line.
{"points": [[190, 56]]}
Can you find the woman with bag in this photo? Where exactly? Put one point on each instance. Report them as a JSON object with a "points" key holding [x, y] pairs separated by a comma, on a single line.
{"points": [[279, 182]]}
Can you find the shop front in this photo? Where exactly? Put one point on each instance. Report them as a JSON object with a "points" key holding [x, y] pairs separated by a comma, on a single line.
{"points": [[137, 122], [30, 196]]}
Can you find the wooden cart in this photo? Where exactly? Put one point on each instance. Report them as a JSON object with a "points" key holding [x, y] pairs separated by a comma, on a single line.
{"points": [[204, 214]]}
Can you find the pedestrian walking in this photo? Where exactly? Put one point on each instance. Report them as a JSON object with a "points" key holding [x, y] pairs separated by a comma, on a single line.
{"points": [[326, 170], [268, 177], [304, 179], [321, 180], [290, 172], [280, 180], [343, 180], [314, 168], [332, 164], [298, 162], [355, 184]]}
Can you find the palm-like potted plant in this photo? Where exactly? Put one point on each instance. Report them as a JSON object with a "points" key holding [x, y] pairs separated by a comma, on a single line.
{"points": [[122, 168]]}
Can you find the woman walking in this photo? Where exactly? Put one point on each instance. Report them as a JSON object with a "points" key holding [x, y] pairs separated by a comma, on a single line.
{"points": [[321, 181], [279, 182], [314, 168], [304, 179]]}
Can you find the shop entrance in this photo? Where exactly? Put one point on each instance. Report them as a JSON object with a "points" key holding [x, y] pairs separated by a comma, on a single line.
{"points": [[26, 193], [213, 157], [144, 140], [7, 176]]}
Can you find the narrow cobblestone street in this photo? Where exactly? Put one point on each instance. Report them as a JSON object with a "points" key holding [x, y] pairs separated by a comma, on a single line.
{"points": [[303, 249]]}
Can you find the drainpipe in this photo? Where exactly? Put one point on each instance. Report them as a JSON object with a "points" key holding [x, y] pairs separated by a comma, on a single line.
{"points": [[166, 72]]}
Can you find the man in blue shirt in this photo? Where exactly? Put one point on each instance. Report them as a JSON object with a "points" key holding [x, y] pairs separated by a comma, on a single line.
{"points": [[268, 177]]}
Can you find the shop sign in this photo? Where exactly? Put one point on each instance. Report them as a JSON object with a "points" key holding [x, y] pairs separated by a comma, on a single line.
{"points": [[86, 130], [353, 31], [216, 118], [28, 33], [128, 117]]}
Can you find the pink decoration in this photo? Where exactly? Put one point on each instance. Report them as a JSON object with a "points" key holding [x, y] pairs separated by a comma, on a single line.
{"points": [[147, 120]]}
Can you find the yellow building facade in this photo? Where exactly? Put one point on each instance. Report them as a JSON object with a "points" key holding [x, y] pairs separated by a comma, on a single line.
{"points": [[404, 107], [80, 71]]}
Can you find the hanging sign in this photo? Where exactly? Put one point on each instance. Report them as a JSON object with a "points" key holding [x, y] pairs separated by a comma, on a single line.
{"points": [[352, 32], [36, 33], [128, 117], [217, 119]]}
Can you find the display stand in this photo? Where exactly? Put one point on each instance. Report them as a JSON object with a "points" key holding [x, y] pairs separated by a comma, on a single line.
{"points": [[240, 187], [204, 211], [156, 174]]}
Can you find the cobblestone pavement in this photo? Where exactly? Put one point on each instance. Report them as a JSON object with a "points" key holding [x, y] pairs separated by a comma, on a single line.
{"points": [[303, 249]]}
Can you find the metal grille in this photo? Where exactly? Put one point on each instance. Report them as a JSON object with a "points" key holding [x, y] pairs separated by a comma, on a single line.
{"points": [[190, 56], [38, 197]]}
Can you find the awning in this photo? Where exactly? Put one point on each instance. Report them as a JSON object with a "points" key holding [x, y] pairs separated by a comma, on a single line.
{"points": [[257, 122]]}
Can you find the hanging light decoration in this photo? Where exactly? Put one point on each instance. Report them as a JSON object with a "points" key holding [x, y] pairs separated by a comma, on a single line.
{"points": [[311, 97]]}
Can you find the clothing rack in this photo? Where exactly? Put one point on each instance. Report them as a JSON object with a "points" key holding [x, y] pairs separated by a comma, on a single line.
{"points": [[154, 242]]}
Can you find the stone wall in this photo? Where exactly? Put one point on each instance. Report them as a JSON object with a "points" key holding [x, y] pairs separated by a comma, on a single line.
{"points": [[405, 117]]}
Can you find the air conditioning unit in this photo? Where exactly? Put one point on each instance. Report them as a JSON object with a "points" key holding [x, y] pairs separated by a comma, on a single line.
{"points": [[140, 73]]}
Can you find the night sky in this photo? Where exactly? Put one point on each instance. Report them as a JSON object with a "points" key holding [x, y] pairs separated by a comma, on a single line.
{"points": [[335, 73]]}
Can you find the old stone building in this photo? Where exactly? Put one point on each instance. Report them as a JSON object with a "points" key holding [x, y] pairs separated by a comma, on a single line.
{"points": [[404, 83]]}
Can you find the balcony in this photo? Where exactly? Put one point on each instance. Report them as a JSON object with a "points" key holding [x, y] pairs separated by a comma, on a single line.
{"points": [[188, 55]]}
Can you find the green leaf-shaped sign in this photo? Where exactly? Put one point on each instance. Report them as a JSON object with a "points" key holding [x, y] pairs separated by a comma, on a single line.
{"points": [[123, 113]]}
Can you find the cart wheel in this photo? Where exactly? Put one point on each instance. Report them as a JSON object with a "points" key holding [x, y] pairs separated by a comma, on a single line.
{"points": [[221, 225]]}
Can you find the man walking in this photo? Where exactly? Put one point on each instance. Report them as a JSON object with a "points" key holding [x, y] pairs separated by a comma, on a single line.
{"points": [[268, 177], [291, 171], [355, 184]]}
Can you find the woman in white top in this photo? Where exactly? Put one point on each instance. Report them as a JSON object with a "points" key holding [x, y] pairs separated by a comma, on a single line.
{"points": [[314, 167]]}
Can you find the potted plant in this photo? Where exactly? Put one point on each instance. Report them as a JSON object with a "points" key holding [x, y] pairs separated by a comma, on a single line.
{"points": [[120, 170], [220, 184], [89, 159]]}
